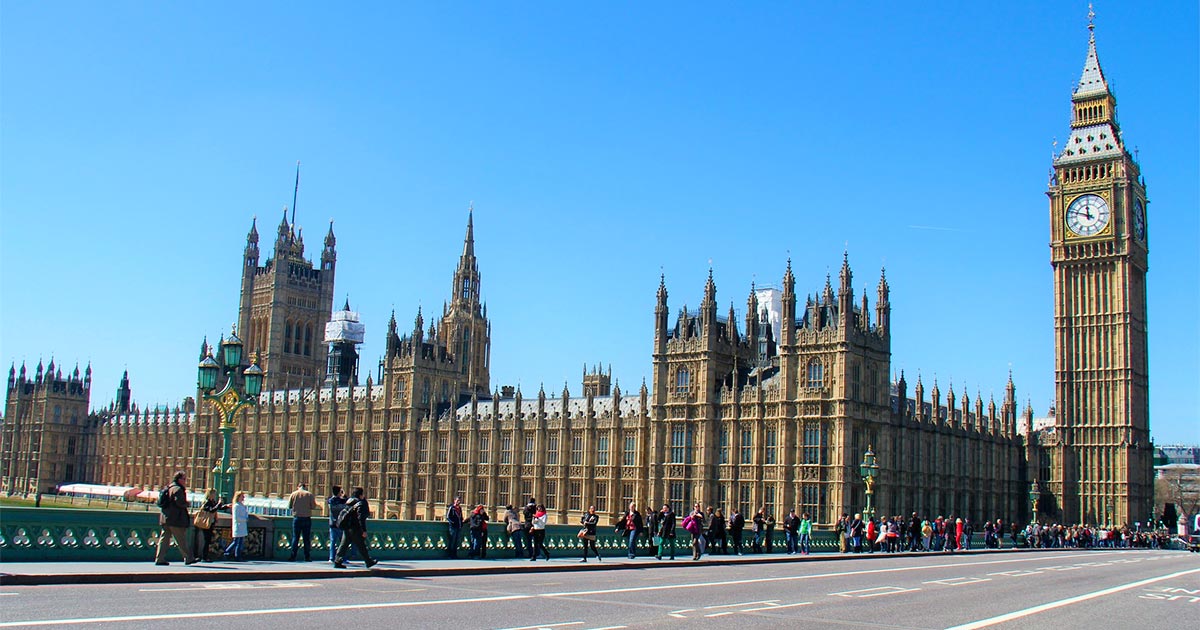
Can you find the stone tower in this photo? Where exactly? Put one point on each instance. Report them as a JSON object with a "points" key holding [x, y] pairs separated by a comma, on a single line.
{"points": [[47, 431], [285, 304], [1101, 455], [464, 329]]}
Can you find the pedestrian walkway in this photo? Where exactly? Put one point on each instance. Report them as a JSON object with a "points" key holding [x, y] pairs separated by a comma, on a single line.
{"points": [[39, 573]]}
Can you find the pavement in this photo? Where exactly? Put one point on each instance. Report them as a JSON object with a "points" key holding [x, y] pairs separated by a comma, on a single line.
{"points": [[46, 573]]}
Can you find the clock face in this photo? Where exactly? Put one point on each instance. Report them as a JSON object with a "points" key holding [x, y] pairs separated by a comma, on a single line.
{"points": [[1087, 215], [1139, 220]]}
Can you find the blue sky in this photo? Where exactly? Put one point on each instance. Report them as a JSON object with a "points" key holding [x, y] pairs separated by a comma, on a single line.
{"points": [[600, 145]]}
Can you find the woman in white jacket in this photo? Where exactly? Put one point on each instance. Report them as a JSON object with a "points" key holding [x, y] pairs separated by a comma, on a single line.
{"points": [[241, 527], [539, 534]]}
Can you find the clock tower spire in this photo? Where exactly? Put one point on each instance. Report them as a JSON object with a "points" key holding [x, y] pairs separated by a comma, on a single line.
{"points": [[1100, 451]]}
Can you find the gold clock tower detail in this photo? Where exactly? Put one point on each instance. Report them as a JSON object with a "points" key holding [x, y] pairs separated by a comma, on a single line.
{"points": [[1101, 464]]}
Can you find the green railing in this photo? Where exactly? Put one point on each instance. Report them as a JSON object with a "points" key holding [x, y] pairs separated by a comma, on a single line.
{"points": [[81, 535]]}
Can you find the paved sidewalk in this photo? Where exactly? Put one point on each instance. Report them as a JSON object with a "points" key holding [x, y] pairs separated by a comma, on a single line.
{"points": [[39, 573]]}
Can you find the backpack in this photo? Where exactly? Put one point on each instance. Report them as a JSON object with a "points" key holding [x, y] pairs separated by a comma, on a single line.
{"points": [[164, 498], [348, 517], [335, 512]]}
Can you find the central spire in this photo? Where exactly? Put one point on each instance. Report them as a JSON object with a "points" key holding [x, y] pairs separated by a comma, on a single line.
{"points": [[469, 241]]}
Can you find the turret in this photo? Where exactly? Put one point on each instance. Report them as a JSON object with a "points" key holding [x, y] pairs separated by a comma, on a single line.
{"points": [[660, 315], [788, 327], [251, 257], [883, 307], [708, 306], [752, 321], [329, 254], [846, 294], [919, 393]]}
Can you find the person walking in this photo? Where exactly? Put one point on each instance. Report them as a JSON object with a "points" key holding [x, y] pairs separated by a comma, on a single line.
{"points": [[478, 527], [692, 525], [515, 528], [805, 533], [791, 531], [770, 537], [857, 528], [758, 525], [666, 531], [652, 538], [716, 532], [706, 528], [589, 522], [527, 514], [631, 527], [454, 523], [335, 504], [354, 529], [737, 523], [240, 526], [539, 533], [174, 521], [205, 522], [302, 503]]}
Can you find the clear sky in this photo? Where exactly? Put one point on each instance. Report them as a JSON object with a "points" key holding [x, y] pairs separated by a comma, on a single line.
{"points": [[600, 145]]}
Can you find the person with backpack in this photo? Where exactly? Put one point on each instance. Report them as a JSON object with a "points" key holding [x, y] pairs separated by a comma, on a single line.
{"points": [[478, 527], [454, 523], [335, 504], [353, 523], [173, 502]]}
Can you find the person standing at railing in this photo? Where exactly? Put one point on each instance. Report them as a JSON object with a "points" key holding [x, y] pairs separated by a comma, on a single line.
{"points": [[206, 522], [454, 523], [302, 503], [174, 521], [539, 533], [236, 550]]}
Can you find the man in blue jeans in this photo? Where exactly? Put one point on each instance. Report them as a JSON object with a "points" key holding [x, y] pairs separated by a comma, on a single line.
{"points": [[302, 503], [632, 526], [454, 523], [791, 529], [335, 504]]}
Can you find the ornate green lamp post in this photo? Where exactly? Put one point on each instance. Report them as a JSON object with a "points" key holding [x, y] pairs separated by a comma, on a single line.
{"points": [[869, 470], [228, 401]]}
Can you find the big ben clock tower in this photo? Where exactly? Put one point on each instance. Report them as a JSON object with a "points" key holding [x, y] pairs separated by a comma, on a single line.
{"points": [[1101, 454]]}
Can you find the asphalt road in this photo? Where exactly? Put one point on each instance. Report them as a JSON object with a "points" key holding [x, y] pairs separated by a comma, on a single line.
{"points": [[1068, 589]]}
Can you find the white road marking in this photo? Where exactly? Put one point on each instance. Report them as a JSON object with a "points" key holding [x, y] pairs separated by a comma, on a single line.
{"points": [[609, 628], [305, 609], [983, 623], [721, 614], [227, 586], [1016, 573], [548, 625], [875, 592], [959, 581], [776, 606], [765, 601]]}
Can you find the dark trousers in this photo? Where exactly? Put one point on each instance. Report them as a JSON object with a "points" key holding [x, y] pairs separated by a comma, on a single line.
{"points": [[518, 542], [353, 537], [201, 549], [539, 544], [737, 542], [720, 541], [478, 544], [302, 528], [453, 540], [590, 543]]}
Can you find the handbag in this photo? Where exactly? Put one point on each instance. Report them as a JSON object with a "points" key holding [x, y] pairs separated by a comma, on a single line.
{"points": [[204, 519], [582, 532]]}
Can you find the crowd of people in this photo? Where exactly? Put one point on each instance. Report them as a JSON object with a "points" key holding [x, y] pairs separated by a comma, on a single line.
{"points": [[656, 532]]}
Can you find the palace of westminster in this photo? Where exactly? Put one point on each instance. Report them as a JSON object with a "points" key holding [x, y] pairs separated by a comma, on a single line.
{"points": [[776, 409]]}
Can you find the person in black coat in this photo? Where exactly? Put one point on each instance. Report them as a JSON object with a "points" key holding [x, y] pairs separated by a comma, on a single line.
{"points": [[454, 523], [354, 530], [716, 532], [651, 530], [589, 522], [666, 532], [737, 523]]}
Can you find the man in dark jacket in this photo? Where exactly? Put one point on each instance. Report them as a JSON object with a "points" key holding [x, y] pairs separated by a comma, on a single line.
{"points": [[354, 530], [666, 531], [630, 526], [175, 521], [527, 515], [454, 523], [737, 523], [791, 530], [651, 528]]}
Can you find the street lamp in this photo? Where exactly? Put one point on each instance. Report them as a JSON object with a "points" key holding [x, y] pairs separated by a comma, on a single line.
{"points": [[1034, 495], [228, 400], [869, 470]]}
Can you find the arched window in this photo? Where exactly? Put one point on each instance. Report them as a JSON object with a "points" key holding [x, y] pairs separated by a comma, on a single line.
{"points": [[287, 337], [683, 380], [308, 340], [464, 350], [425, 392], [816, 373]]}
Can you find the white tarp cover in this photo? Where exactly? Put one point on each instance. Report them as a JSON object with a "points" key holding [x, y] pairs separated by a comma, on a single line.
{"points": [[344, 326]]}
